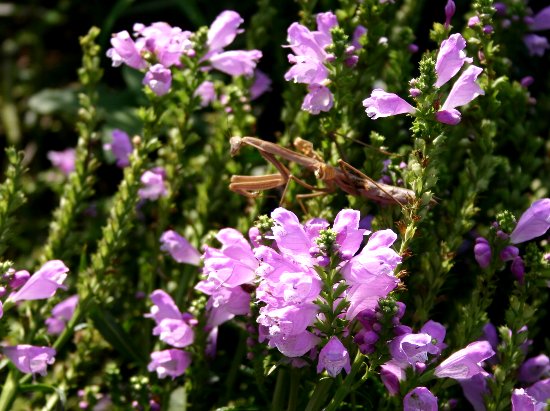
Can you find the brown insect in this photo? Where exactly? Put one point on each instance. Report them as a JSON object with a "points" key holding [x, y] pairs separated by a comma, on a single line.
{"points": [[346, 177]]}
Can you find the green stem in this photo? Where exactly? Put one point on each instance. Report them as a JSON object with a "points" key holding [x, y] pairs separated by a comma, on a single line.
{"points": [[9, 391], [319, 395], [347, 386], [279, 393], [294, 388], [235, 364]]}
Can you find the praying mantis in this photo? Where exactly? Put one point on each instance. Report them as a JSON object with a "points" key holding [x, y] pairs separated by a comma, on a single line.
{"points": [[346, 177]]}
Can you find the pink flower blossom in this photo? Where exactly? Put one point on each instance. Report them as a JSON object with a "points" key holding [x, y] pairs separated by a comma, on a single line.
{"points": [[223, 30], [179, 248], [172, 363], [465, 363], [262, 84], [125, 51], [236, 62], [420, 399], [159, 79], [463, 91], [154, 186], [533, 223], [318, 99], [383, 104], [333, 357], [121, 147], [63, 160], [450, 58], [44, 283], [29, 358], [61, 313], [206, 93]]}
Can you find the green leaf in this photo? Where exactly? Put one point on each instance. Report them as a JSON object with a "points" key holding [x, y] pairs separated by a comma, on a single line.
{"points": [[115, 335], [50, 101]]}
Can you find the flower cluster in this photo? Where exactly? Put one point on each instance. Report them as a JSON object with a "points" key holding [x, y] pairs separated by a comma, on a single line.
{"points": [[175, 329], [450, 59], [305, 278], [310, 58], [159, 48], [533, 223], [41, 285]]}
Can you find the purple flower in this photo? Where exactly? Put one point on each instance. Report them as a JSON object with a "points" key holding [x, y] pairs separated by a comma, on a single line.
{"points": [[349, 236], [472, 21], [391, 374], [158, 79], [534, 368], [540, 392], [382, 104], [534, 222], [262, 84], [179, 248], [224, 303], [19, 278], [518, 269], [171, 363], [464, 90], [450, 9], [527, 81], [537, 45], [61, 314], [206, 93], [521, 401], [482, 252], [475, 389], [236, 62], [163, 307], [303, 42], [318, 99], [295, 345], [233, 264], [125, 51], [541, 20], [306, 70], [121, 147], [63, 160], [359, 32], [508, 253], [450, 58], [333, 357], [29, 358], [223, 30], [153, 184], [44, 283], [165, 42], [172, 327], [420, 399], [412, 348], [465, 363]]}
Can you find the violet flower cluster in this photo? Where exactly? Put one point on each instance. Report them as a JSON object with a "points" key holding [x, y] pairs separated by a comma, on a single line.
{"points": [[21, 286], [533, 223], [160, 48], [173, 328], [532, 376], [305, 277], [310, 59], [450, 59]]}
